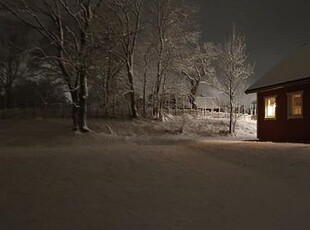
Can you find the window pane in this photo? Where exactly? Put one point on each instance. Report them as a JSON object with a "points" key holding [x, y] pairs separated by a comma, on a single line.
{"points": [[270, 107], [295, 104]]}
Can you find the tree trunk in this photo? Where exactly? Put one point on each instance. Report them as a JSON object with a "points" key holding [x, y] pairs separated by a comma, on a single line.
{"points": [[231, 116], [114, 106], [133, 106], [75, 110], [156, 98], [106, 96], [192, 97], [192, 100], [159, 73], [83, 103], [144, 90], [8, 98], [107, 86]]}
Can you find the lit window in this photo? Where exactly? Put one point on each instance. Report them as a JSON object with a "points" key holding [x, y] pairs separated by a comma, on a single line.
{"points": [[270, 107], [295, 105]]}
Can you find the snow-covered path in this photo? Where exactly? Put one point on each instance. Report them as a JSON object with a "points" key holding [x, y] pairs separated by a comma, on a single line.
{"points": [[155, 184]]}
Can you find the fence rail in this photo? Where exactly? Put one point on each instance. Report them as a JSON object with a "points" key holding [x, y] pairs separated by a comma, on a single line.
{"points": [[65, 112]]}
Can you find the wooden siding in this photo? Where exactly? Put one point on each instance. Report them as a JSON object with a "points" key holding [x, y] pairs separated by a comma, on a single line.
{"points": [[283, 129]]}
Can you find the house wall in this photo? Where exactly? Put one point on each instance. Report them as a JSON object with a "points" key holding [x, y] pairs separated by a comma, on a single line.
{"points": [[283, 129]]}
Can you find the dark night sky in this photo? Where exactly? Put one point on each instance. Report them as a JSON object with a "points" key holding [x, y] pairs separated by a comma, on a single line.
{"points": [[273, 28]]}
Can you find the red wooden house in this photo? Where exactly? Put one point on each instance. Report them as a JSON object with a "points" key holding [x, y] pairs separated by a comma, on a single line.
{"points": [[283, 100]]}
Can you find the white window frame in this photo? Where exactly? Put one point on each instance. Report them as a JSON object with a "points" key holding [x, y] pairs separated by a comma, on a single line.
{"points": [[289, 98], [265, 107]]}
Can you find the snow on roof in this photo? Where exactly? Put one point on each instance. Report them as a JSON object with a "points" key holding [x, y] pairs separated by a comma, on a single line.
{"points": [[293, 68], [207, 103]]}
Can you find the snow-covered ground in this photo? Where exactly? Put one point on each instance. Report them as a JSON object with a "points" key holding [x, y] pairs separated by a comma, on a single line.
{"points": [[150, 175], [185, 126]]}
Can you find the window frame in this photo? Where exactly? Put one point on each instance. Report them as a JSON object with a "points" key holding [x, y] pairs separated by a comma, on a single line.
{"points": [[275, 111], [289, 98]]}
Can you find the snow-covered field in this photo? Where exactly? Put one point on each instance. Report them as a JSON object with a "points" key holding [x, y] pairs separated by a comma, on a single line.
{"points": [[185, 126], [184, 173]]}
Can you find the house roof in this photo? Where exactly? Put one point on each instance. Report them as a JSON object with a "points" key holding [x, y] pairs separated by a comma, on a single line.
{"points": [[292, 69], [207, 103]]}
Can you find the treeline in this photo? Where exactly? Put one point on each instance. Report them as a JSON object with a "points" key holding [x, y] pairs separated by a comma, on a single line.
{"points": [[95, 51]]}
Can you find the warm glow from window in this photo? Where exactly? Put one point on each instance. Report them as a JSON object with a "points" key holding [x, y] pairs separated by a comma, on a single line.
{"points": [[270, 107], [295, 105]]}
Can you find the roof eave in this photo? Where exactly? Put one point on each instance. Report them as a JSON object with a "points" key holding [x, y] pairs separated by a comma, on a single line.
{"points": [[277, 86]]}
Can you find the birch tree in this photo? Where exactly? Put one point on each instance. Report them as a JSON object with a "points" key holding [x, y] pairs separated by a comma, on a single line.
{"points": [[127, 15], [233, 71], [173, 28], [147, 59]]}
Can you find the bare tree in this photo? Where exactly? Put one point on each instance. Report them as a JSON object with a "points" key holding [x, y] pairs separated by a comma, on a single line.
{"points": [[127, 14], [12, 68], [146, 65], [198, 67], [233, 71], [66, 26], [13, 63], [104, 84], [173, 29]]}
